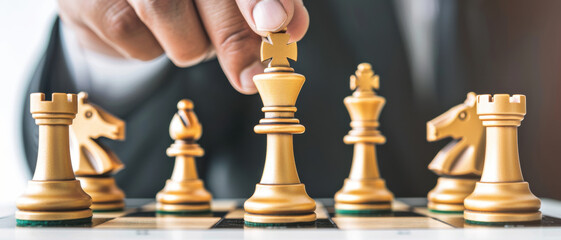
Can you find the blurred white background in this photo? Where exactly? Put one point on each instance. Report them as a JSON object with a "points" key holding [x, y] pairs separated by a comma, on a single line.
{"points": [[25, 26]]}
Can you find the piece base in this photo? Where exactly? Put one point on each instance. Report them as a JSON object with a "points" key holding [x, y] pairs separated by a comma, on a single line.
{"points": [[363, 212], [108, 206], [499, 223], [364, 207], [439, 207], [53, 215], [184, 213], [500, 218], [254, 224], [108, 210], [445, 211], [182, 208], [279, 219], [37, 223]]}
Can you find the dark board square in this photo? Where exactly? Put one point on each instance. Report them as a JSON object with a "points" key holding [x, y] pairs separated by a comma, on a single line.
{"points": [[331, 211], [238, 223]]}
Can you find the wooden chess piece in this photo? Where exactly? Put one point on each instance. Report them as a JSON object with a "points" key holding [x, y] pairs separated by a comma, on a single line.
{"points": [[460, 162], [364, 192], [96, 163], [279, 198], [502, 195], [184, 192], [53, 196]]}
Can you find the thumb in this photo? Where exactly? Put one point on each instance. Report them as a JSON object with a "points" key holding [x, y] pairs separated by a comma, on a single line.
{"points": [[274, 15]]}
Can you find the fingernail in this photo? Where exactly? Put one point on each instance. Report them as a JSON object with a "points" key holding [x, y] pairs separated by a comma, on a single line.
{"points": [[246, 77], [269, 15]]}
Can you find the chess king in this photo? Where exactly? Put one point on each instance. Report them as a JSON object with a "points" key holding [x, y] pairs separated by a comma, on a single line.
{"points": [[364, 191], [96, 163], [460, 162], [279, 198], [502, 195], [53, 196]]}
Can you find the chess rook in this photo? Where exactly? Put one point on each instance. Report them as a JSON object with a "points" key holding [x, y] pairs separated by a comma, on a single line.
{"points": [[460, 162], [53, 196], [96, 163], [184, 192], [364, 191], [502, 195], [279, 198]]}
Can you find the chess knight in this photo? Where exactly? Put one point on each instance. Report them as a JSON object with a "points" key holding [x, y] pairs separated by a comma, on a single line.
{"points": [[459, 164], [96, 163], [364, 191]]}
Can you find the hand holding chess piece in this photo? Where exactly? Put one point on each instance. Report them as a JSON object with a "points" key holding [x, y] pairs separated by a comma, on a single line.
{"points": [[53, 196], [279, 198], [364, 192], [184, 193], [96, 163], [459, 164]]}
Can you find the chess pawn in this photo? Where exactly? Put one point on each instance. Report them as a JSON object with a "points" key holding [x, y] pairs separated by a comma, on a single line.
{"points": [[364, 191], [279, 198], [460, 162], [184, 192], [96, 163], [502, 195], [53, 196]]}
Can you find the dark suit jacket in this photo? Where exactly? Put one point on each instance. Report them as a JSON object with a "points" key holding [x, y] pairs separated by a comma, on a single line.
{"points": [[341, 35]]}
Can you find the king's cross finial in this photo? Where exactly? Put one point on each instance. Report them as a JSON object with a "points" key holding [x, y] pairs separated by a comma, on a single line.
{"points": [[278, 50], [365, 80]]}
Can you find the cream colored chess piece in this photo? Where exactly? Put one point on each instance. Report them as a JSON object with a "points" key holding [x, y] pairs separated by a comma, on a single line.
{"points": [[53, 196], [96, 163], [502, 195], [460, 162], [184, 193], [364, 191], [279, 198]]}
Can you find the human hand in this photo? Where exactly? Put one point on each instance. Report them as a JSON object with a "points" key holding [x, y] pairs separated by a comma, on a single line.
{"points": [[188, 31]]}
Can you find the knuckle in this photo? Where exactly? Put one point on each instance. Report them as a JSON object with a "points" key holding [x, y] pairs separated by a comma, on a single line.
{"points": [[148, 8], [121, 23], [234, 40]]}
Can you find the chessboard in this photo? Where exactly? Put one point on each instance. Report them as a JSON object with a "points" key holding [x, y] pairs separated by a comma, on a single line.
{"points": [[409, 219]]}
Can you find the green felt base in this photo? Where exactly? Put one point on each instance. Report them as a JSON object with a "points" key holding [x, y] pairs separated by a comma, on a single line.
{"points": [[254, 224], [500, 223], [35, 223], [446, 212], [362, 212], [184, 212]]}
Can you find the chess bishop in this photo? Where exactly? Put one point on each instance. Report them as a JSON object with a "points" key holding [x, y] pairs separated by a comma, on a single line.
{"points": [[184, 192]]}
